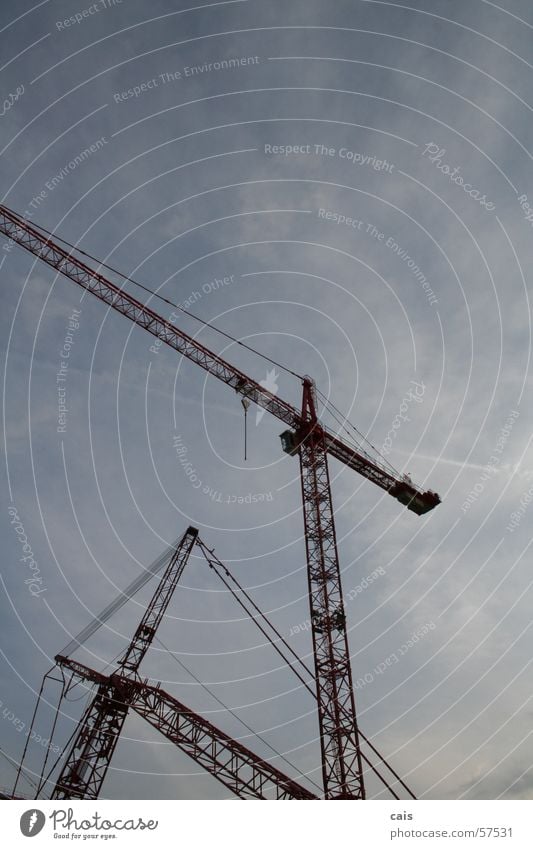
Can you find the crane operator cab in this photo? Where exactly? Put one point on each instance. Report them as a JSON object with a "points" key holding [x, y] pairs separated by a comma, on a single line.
{"points": [[289, 442]]}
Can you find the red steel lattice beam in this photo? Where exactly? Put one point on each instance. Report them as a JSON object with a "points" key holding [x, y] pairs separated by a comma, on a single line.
{"points": [[341, 754], [67, 263], [238, 768]]}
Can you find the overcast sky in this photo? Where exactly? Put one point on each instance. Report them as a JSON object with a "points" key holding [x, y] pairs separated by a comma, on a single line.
{"points": [[350, 197]]}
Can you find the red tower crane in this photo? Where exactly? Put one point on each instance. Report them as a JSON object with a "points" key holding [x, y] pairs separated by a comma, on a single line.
{"points": [[307, 437]]}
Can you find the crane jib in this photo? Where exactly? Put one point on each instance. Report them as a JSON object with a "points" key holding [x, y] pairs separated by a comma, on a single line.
{"points": [[236, 766], [66, 263]]}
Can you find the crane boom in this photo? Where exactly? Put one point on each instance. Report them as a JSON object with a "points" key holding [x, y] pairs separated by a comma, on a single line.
{"points": [[26, 235], [94, 743], [238, 768], [144, 635]]}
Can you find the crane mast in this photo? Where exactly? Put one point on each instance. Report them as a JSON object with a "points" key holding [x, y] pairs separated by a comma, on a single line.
{"points": [[341, 754], [312, 442]]}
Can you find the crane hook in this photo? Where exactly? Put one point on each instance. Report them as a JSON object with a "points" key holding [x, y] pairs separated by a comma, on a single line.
{"points": [[246, 404]]}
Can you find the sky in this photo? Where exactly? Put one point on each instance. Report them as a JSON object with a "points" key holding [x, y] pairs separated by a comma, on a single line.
{"points": [[347, 188]]}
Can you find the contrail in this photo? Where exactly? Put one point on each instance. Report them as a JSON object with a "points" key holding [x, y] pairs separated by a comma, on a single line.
{"points": [[505, 467], [445, 460]]}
